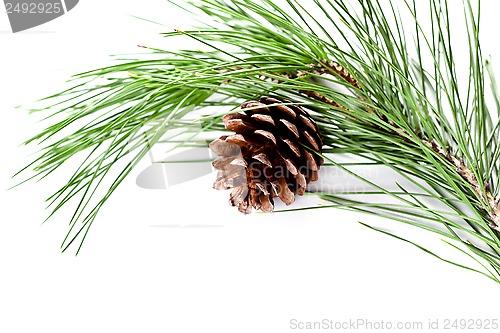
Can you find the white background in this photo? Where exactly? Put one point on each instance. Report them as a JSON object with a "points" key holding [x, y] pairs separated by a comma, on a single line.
{"points": [[144, 268]]}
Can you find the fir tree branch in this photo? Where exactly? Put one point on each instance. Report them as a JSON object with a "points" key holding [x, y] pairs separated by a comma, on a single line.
{"points": [[483, 193], [396, 113]]}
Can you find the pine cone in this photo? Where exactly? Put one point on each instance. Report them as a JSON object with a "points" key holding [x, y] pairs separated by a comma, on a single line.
{"points": [[266, 158]]}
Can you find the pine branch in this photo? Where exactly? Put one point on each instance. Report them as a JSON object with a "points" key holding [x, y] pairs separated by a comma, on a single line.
{"points": [[396, 113], [484, 193]]}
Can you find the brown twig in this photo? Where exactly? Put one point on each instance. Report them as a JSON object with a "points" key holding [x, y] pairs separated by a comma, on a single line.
{"points": [[484, 194]]}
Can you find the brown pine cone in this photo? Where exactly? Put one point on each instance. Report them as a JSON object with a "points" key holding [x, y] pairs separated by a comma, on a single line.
{"points": [[267, 157]]}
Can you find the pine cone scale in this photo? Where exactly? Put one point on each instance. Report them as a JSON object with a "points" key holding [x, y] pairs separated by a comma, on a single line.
{"points": [[264, 119], [266, 135], [291, 127]]}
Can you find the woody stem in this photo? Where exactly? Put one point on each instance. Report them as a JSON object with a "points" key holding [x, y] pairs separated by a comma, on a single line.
{"points": [[484, 194]]}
